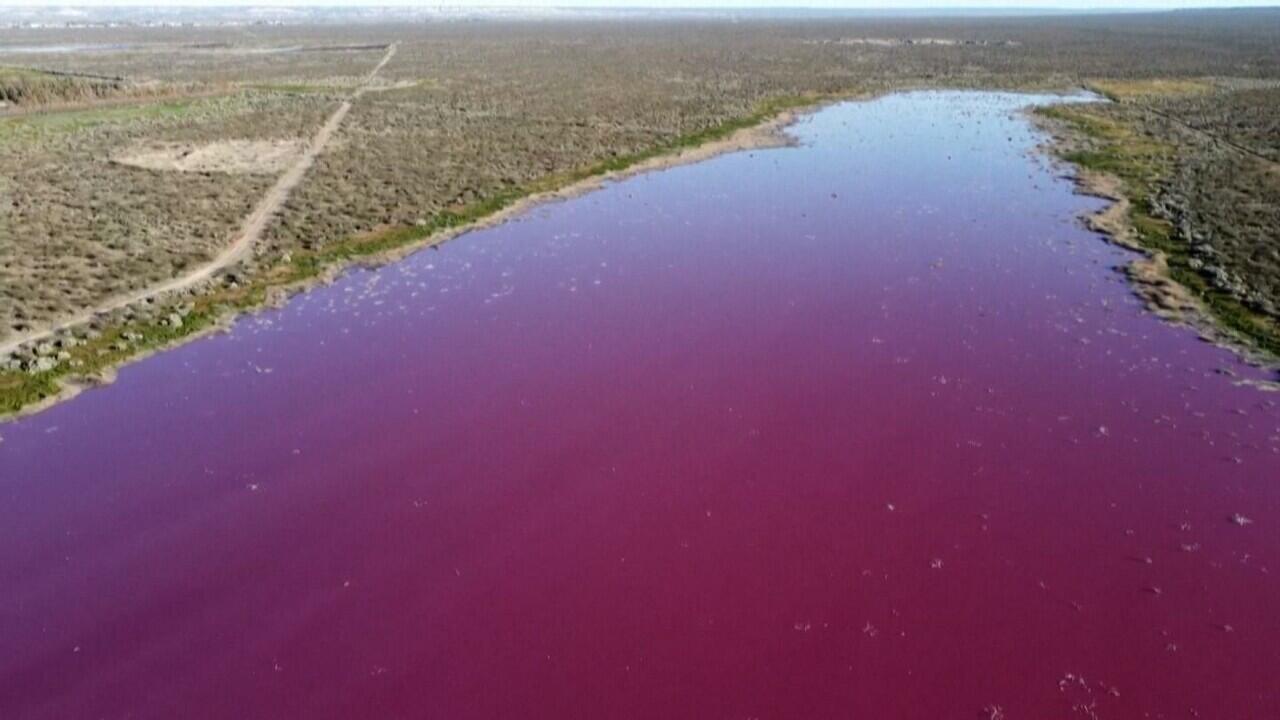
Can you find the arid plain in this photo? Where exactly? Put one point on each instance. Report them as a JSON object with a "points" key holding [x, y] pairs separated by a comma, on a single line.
{"points": [[158, 179]]}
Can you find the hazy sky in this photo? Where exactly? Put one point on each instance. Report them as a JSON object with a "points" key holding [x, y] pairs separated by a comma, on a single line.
{"points": [[882, 4]]}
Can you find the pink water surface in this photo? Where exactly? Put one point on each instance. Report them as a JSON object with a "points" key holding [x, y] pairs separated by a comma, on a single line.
{"points": [[864, 428]]}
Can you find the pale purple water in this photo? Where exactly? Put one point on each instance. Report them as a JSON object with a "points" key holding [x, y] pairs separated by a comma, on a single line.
{"points": [[863, 428]]}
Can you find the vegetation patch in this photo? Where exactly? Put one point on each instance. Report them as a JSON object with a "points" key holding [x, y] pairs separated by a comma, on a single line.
{"points": [[30, 86], [28, 128], [1143, 164], [1122, 90]]}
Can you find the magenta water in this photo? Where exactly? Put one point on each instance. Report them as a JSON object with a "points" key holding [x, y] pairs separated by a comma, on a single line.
{"points": [[867, 427]]}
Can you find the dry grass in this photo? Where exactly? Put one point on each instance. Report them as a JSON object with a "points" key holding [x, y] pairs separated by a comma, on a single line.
{"points": [[1128, 90]]}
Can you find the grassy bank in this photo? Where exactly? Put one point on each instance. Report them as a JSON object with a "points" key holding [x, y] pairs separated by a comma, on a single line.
{"points": [[118, 344], [1111, 146]]}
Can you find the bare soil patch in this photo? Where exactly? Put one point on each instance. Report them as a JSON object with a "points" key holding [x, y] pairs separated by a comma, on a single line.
{"points": [[252, 157]]}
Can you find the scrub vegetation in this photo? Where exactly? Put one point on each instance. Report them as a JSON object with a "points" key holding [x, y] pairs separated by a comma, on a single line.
{"points": [[469, 117], [23, 86], [1195, 161]]}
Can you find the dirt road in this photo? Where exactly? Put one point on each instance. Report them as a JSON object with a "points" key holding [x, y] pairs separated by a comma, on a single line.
{"points": [[242, 243]]}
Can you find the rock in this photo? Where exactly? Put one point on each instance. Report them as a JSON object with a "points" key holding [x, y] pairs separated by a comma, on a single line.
{"points": [[174, 320], [45, 349], [63, 356], [41, 364]]}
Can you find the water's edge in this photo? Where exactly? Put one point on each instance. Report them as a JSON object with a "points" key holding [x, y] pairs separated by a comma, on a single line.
{"points": [[769, 132], [1148, 274]]}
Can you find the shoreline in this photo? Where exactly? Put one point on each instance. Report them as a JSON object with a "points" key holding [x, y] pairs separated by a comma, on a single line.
{"points": [[1148, 275], [756, 133]]}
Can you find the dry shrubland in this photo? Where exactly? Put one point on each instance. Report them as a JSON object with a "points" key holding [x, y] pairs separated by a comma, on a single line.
{"points": [[501, 104], [469, 111], [1222, 194], [76, 227]]}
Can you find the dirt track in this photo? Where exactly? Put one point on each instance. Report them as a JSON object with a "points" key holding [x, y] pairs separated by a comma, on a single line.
{"points": [[251, 228]]}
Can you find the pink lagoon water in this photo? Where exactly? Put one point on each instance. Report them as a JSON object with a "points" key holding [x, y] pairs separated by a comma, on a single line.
{"points": [[868, 427]]}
